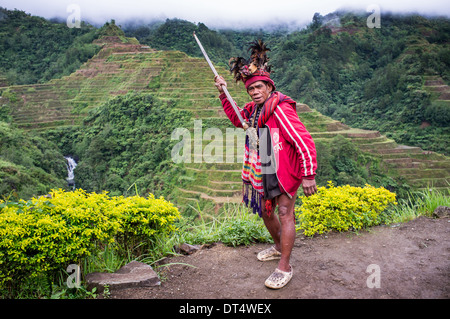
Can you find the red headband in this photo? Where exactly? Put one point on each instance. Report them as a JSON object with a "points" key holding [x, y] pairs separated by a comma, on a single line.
{"points": [[264, 77]]}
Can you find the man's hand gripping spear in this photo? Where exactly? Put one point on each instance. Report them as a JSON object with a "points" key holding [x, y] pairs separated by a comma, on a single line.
{"points": [[251, 131]]}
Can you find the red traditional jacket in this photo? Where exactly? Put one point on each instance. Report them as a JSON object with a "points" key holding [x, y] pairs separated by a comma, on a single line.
{"points": [[290, 147]]}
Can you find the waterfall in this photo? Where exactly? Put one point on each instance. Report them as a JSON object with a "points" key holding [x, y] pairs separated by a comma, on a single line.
{"points": [[71, 164]]}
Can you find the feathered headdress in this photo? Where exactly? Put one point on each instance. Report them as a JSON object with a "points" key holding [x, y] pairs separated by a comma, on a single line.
{"points": [[254, 69]]}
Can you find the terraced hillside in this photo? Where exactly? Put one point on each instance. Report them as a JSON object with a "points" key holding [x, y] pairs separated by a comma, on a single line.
{"points": [[436, 85], [123, 65], [119, 67]]}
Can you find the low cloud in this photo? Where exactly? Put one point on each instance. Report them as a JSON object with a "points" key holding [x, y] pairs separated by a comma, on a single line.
{"points": [[218, 14]]}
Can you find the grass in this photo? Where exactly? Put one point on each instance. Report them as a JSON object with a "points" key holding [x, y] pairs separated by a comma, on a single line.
{"points": [[234, 226], [420, 203]]}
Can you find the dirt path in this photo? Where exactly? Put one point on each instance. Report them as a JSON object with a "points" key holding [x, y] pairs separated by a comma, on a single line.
{"points": [[413, 261]]}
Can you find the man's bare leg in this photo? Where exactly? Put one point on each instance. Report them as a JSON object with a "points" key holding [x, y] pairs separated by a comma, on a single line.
{"points": [[282, 229]]}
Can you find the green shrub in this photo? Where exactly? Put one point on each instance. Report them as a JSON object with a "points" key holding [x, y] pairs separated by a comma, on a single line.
{"points": [[46, 234], [342, 208], [144, 221]]}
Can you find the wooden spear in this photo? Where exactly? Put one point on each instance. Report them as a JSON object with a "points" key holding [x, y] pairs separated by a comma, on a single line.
{"points": [[230, 99]]}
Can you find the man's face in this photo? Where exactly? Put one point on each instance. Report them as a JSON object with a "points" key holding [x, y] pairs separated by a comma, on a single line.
{"points": [[259, 91]]}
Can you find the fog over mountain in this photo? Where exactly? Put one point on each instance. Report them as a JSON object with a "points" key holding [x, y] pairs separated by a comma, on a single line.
{"points": [[216, 14]]}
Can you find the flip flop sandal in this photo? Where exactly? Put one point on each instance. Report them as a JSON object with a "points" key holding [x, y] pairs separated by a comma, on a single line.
{"points": [[269, 254], [278, 279]]}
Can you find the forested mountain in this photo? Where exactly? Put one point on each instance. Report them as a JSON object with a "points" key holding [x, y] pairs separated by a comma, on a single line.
{"points": [[367, 78], [33, 49], [374, 78], [29, 164]]}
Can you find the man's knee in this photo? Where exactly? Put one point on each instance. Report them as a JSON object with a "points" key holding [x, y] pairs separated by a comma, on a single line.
{"points": [[284, 211]]}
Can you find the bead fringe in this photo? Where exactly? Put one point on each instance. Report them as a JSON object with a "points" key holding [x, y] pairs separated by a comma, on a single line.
{"points": [[256, 200]]}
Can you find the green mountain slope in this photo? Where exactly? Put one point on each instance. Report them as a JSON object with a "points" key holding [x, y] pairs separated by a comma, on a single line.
{"points": [[58, 110], [33, 49], [29, 165], [369, 78], [373, 78]]}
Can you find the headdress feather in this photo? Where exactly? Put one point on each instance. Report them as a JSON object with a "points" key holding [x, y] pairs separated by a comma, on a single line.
{"points": [[237, 67], [258, 56], [242, 68]]}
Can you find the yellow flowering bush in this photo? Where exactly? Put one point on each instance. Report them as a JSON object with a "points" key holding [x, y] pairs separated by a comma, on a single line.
{"points": [[342, 208], [144, 220], [146, 216], [46, 233]]}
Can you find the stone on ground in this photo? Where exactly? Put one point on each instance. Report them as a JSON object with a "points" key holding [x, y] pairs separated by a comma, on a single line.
{"points": [[133, 274]]}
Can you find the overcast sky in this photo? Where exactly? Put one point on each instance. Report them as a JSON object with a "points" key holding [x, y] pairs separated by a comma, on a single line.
{"points": [[218, 13]]}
